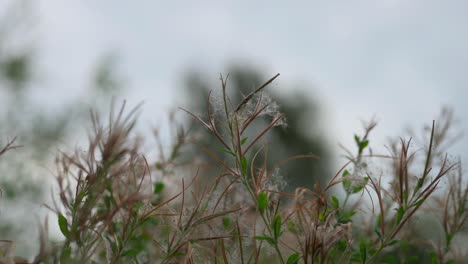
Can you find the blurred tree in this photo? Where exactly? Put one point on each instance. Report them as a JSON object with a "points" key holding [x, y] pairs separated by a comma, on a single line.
{"points": [[295, 139], [24, 174]]}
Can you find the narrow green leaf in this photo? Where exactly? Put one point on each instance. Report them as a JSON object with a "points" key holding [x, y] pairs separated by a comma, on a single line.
{"points": [[448, 238], [63, 224], [322, 216], [342, 245], [107, 201], [228, 152], [149, 220], [418, 203], [262, 201], [65, 257], [400, 213], [379, 235], [335, 202], [132, 252], [379, 220], [112, 244], [346, 217], [390, 260], [363, 250], [294, 258], [267, 239], [277, 227], [434, 258], [244, 140], [419, 184], [244, 165], [357, 140], [119, 243]]}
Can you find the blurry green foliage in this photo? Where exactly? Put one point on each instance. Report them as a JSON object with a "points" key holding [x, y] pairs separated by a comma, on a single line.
{"points": [[16, 69]]}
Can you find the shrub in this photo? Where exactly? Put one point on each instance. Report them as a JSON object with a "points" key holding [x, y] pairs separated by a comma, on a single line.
{"points": [[115, 206]]}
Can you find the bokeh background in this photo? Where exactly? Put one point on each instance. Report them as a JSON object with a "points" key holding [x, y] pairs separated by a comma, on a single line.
{"points": [[396, 61]]}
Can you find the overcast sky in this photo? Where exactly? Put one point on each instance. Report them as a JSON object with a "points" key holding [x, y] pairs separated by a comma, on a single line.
{"points": [[398, 60]]}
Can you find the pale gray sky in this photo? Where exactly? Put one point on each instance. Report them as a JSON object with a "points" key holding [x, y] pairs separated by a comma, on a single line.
{"points": [[399, 60]]}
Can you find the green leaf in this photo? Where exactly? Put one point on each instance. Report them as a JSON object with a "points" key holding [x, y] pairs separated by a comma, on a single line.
{"points": [[65, 257], [345, 173], [342, 245], [158, 187], [227, 222], [244, 165], [400, 213], [277, 227], [107, 201], [132, 252], [357, 140], [355, 257], [434, 258], [418, 203], [294, 258], [119, 243], [138, 206], [363, 145], [349, 214], [262, 201], [379, 220], [322, 216], [244, 140], [267, 239], [379, 235], [148, 220], [363, 250], [357, 189], [63, 224], [228, 152], [390, 260], [346, 185], [419, 184], [448, 238], [346, 217], [112, 244], [335, 202]]}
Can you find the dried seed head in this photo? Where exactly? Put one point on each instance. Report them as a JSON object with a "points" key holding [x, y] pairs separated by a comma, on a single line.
{"points": [[275, 183], [263, 105]]}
